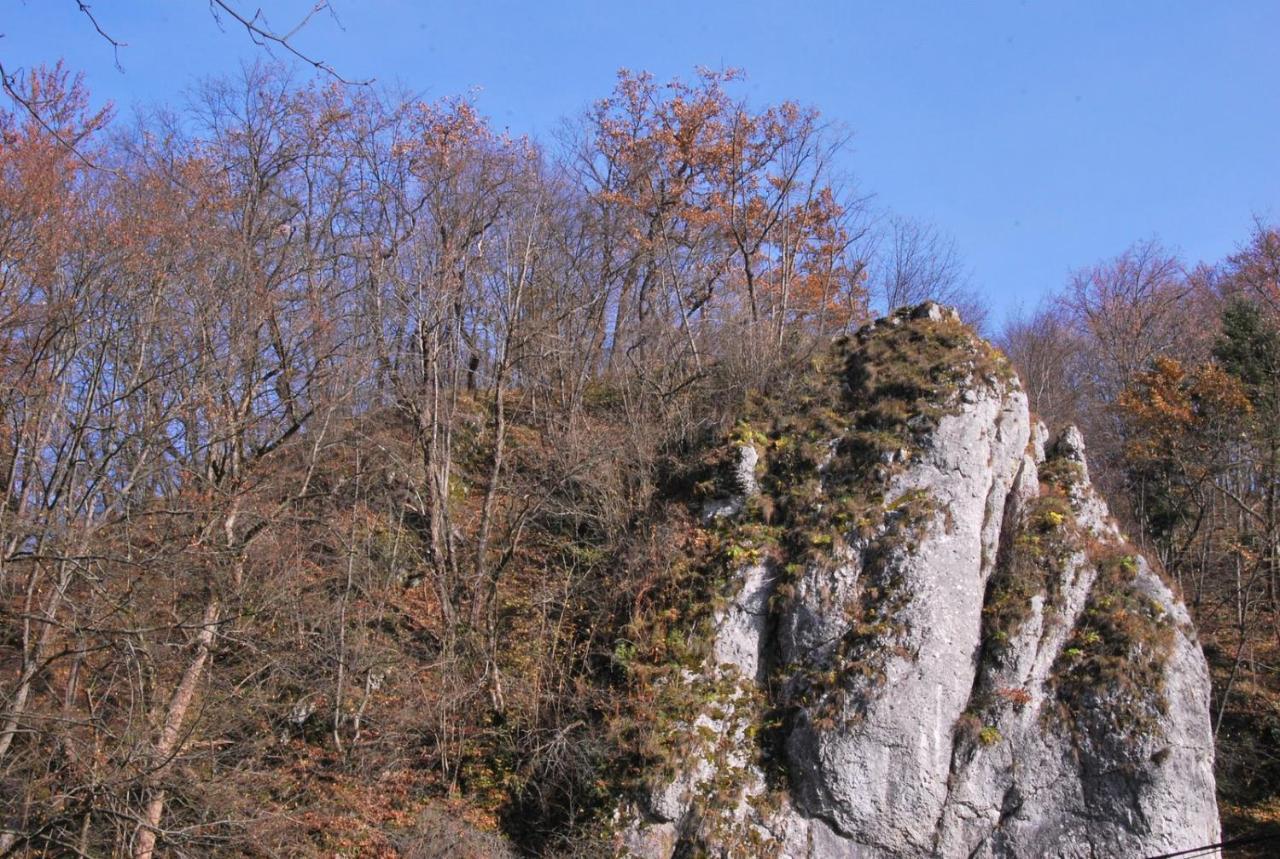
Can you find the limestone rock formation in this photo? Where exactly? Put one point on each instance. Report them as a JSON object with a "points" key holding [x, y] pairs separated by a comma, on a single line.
{"points": [[940, 644]]}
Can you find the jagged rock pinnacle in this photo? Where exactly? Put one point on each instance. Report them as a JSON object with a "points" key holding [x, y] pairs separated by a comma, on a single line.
{"points": [[977, 666]]}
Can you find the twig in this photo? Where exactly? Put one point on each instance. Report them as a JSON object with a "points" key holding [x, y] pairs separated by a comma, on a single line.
{"points": [[261, 33], [116, 45]]}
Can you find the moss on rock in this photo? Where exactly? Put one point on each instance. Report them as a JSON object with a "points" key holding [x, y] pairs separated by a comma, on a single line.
{"points": [[1109, 677]]}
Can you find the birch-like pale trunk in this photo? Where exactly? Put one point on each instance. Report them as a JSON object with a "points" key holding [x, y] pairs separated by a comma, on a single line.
{"points": [[171, 733]]}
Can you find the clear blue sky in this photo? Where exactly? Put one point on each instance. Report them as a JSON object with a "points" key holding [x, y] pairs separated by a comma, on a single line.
{"points": [[1043, 136]]}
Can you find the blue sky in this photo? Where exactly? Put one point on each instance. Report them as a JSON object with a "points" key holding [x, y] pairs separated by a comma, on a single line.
{"points": [[1041, 136]]}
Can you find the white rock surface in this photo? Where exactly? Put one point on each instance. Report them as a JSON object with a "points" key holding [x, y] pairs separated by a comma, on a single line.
{"points": [[896, 779], [854, 778]]}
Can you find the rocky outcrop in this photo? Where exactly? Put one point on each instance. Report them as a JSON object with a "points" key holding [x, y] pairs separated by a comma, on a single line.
{"points": [[947, 649]]}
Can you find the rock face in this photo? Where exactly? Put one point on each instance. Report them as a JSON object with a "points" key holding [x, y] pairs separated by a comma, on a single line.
{"points": [[951, 650]]}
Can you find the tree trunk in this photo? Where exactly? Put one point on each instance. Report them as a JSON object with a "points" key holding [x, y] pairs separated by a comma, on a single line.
{"points": [[171, 733]]}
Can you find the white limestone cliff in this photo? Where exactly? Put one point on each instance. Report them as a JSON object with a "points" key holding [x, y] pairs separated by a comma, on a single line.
{"points": [[1020, 682]]}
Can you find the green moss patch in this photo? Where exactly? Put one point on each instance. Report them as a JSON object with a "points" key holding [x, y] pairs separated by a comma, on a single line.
{"points": [[1109, 677], [1032, 565]]}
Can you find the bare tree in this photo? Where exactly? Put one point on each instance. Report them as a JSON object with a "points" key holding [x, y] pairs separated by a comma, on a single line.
{"points": [[15, 84], [917, 262], [1132, 308], [1048, 351]]}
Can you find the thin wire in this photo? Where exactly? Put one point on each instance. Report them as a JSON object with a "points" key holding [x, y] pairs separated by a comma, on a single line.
{"points": [[1209, 849]]}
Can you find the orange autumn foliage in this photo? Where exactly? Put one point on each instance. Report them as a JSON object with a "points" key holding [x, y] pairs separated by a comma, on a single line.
{"points": [[1182, 415]]}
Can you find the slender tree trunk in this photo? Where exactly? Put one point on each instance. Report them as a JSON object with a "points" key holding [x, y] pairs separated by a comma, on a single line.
{"points": [[34, 659], [171, 733]]}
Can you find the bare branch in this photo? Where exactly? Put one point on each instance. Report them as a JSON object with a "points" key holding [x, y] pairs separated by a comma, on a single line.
{"points": [[262, 34], [116, 45]]}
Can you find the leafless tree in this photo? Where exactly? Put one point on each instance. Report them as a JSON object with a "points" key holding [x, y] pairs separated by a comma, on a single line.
{"points": [[1047, 350], [915, 262]]}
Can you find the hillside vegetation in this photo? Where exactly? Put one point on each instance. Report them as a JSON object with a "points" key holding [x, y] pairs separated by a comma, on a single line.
{"points": [[352, 455]]}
